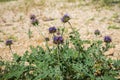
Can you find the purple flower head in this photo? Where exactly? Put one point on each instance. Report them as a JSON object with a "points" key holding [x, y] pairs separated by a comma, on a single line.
{"points": [[32, 17], [65, 18], [107, 39], [34, 22], [52, 29], [97, 32], [58, 39], [9, 42]]}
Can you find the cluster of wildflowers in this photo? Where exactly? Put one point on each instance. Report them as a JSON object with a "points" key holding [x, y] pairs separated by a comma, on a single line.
{"points": [[58, 40], [34, 21], [107, 39], [61, 57]]}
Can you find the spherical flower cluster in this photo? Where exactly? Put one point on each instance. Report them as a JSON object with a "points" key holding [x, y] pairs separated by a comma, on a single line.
{"points": [[58, 40], [65, 18], [107, 39], [9, 42], [97, 32], [52, 29], [34, 21]]}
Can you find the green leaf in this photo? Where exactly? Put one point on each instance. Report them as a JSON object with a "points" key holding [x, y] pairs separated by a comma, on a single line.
{"points": [[108, 78]]}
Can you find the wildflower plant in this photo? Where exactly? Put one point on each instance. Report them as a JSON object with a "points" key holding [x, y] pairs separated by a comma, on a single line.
{"points": [[107, 40], [62, 62], [34, 20], [9, 43], [65, 19]]}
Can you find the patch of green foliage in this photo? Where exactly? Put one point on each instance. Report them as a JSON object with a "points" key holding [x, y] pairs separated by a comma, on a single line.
{"points": [[29, 33], [6, 0], [62, 63], [113, 27], [67, 60], [71, 0], [14, 38], [115, 15], [107, 2], [1, 40]]}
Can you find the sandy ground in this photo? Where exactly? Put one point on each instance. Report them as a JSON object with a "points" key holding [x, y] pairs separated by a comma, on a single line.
{"points": [[15, 22]]}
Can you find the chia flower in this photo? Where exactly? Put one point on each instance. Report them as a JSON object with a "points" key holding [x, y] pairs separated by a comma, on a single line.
{"points": [[58, 39], [9, 43], [52, 29], [107, 39], [32, 17], [97, 32], [65, 18], [34, 22]]}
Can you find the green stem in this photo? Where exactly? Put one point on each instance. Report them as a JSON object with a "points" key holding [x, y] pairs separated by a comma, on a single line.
{"points": [[29, 33], [37, 29], [10, 49], [71, 26], [107, 46], [46, 43], [58, 52], [63, 29]]}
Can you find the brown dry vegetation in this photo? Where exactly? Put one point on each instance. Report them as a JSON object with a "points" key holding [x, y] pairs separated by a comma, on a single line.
{"points": [[86, 16]]}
